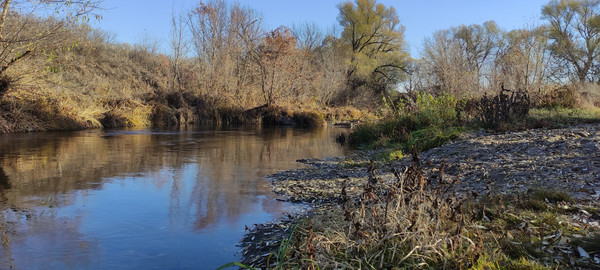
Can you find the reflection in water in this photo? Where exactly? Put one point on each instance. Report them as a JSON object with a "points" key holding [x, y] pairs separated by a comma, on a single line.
{"points": [[4, 183], [141, 198]]}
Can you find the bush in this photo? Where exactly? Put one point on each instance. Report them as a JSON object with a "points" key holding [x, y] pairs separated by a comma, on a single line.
{"points": [[5, 82], [436, 111], [419, 126], [309, 119], [563, 97], [588, 96], [507, 106], [163, 116]]}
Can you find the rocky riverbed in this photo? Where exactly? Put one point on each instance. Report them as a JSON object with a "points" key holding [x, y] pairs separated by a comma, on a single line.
{"points": [[565, 159]]}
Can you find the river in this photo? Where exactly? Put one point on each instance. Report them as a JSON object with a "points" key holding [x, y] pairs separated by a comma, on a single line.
{"points": [[142, 199]]}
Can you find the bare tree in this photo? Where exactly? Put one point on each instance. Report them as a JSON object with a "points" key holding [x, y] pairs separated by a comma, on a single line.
{"points": [[308, 35], [278, 64], [332, 68], [224, 38], [478, 43], [179, 48], [21, 34], [445, 66], [148, 42], [460, 60], [523, 61]]}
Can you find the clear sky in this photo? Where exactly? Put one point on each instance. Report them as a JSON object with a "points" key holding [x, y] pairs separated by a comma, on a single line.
{"points": [[129, 20]]}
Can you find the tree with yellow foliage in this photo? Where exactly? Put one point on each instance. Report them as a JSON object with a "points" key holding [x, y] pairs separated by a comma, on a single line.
{"points": [[373, 33]]}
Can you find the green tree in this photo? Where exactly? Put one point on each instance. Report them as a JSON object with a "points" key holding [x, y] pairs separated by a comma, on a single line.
{"points": [[379, 59], [574, 31]]}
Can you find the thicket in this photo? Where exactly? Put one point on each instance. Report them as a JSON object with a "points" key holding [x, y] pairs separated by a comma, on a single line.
{"points": [[420, 121]]}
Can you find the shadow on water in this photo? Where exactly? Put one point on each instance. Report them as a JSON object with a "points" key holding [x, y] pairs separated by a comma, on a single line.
{"points": [[130, 199], [4, 183]]}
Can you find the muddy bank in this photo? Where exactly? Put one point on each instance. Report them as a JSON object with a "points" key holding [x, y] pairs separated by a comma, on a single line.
{"points": [[188, 111]]}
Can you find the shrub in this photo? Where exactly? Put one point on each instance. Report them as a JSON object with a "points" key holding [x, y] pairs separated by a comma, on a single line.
{"points": [[309, 119], [562, 97], [390, 224], [436, 111], [163, 116], [418, 126], [5, 82], [588, 96], [506, 106]]}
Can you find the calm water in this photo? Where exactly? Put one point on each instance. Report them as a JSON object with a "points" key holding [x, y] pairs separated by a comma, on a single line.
{"points": [[142, 199]]}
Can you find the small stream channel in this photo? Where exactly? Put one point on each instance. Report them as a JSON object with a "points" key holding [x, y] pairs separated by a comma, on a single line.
{"points": [[142, 199]]}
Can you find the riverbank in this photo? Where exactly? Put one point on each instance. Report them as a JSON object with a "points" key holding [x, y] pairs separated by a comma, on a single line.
{"points": [[518, 199], [27, 112], [82, 80]]}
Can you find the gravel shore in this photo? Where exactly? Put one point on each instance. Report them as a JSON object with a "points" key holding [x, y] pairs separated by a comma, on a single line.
{"points": [[565, 159]]}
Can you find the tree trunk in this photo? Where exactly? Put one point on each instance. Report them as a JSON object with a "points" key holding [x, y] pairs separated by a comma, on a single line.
{"points": [[5, 7]]}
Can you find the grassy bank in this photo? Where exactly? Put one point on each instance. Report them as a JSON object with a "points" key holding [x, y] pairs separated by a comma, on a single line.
{"points": [[81, 79], [26, 110], [101, 85], [428, 122]]}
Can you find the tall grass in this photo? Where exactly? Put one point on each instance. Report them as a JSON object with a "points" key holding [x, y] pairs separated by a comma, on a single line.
{"points": [[428, 123]]}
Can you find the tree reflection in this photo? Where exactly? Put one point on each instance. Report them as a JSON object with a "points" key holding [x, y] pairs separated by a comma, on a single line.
{"points": [[211, 177], [7, 258]]}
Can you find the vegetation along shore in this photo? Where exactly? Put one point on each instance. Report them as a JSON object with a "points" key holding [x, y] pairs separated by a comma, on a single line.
{"points": [[496, 168]]}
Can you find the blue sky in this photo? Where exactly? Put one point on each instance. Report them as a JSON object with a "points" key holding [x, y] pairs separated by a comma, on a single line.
{"points": [[129, 20]]}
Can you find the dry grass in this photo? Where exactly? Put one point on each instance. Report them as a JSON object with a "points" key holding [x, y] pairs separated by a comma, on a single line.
{"points": [[419, 223], [347, 113], [96, 84], [393, 224], [126, 113], [35, 109]]}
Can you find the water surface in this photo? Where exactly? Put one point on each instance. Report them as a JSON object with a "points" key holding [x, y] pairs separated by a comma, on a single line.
{"points": [[142, 199]]}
